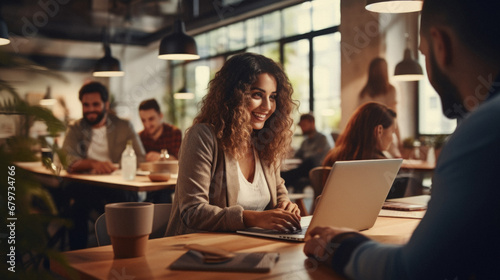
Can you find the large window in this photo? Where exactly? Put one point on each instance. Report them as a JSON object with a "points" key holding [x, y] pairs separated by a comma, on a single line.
{"points": [[304, 38]]}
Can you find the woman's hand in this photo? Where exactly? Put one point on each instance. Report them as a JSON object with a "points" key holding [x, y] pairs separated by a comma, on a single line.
{"points": [[277, 219], [290, 207], [318, 243]]}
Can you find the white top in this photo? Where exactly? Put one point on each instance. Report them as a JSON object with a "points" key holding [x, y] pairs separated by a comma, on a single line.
{"points": [[255, 195], [98, 149]]}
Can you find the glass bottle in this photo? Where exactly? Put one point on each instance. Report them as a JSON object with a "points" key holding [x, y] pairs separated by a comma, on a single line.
{"points": [[129, 162], [164, 155]]}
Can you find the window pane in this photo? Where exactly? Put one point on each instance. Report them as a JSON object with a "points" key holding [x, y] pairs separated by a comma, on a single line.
{"points": [[271, 50], [297, 68], [203, 44], [253, 33], [271, 27], [218, 41], [430, 115], [327, 82], [236, 36], [297, 19], [326, 13]]}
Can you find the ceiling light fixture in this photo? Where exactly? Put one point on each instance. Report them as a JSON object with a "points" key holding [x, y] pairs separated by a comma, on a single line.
{"points": [[408, 69], [178, 45], [183, 93], [4, 31], [393, 6], [108, 66]]}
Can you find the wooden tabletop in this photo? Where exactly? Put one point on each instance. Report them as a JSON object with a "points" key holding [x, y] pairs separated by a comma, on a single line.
{"points": [[418, 165], [140, 183], [98, 262]]}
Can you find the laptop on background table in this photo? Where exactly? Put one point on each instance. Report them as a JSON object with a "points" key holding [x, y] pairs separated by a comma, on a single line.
{"points": [[352, 197]]}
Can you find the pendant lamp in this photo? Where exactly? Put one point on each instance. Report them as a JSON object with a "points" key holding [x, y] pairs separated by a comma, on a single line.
{"points": [[408, 69], [4, 32], [108, 66], [183, 93], [393, 6], [178, 45]]}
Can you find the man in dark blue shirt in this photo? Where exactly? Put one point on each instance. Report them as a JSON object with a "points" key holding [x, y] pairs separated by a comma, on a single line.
{"points": [[458, 237]]}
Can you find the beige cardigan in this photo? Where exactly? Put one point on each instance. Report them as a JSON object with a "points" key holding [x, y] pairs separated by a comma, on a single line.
{"points": [[207, 187]]}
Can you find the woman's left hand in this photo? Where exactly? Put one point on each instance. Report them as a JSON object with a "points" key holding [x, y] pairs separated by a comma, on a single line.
{"points": [[289, 207]]}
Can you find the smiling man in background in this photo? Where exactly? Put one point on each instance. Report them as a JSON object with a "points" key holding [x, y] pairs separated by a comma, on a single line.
{"points": [[94, 144], [155, 137]]}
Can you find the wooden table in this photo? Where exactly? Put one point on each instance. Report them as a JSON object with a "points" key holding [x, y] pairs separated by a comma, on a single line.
{"points": [[98, 262], [140, 183], [417, 165]]}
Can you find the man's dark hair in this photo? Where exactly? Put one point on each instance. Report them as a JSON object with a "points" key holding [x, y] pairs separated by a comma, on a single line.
{"points": [[149, 104], [307, 117], [476, 23], [94, 87]]}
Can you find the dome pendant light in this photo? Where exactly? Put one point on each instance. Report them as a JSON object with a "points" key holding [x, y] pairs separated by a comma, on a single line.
{"points": [[393, 6], [4, 32], [178, 45], [108, 66], [408, 69]]}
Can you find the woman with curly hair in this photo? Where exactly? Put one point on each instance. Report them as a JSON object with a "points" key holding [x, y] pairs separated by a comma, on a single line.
{"points": [[229, 159], [367, 135]]}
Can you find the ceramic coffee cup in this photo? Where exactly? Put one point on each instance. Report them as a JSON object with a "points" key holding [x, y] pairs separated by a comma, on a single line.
{"points": [[129, 225]]}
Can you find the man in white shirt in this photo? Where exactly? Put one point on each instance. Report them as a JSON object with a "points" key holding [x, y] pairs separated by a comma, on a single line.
{"points": [[94, 144]]}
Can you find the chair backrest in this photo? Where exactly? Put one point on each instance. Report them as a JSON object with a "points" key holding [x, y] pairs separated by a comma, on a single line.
{"points": [[317, 177], [160, 221]]}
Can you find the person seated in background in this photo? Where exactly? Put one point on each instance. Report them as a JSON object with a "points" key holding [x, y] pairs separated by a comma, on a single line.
{"points": [[458, 236], [229, 159], [379, 89], [367, 135], [312, 151], [94, 144], [156, 137]]}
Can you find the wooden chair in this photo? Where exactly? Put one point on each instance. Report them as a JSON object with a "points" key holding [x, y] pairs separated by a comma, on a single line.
{"points": [[160, 221], [317, 177]]}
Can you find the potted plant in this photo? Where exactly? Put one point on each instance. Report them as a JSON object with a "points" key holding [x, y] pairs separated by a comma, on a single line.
{"points": [[26, 206]]}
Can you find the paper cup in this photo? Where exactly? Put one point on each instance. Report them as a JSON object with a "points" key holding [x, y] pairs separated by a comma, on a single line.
{"points": [[129, 225]]}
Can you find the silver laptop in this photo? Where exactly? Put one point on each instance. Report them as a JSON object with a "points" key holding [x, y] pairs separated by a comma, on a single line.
{"points": [[353, 195]]}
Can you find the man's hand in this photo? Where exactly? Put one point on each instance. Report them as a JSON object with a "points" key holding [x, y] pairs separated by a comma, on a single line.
{"points": [[102, 167], [318, 243], [152, 156]]}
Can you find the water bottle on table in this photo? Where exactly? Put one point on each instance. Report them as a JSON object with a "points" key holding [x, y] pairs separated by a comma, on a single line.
{"points": [[129, 162]]}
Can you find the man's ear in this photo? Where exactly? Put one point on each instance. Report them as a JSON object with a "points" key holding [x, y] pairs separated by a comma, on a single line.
{"points": [[106, 105], [441, 45]]}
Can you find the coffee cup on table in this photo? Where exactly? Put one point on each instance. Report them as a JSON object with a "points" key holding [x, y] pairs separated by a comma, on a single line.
{"points": [[129, 225]]}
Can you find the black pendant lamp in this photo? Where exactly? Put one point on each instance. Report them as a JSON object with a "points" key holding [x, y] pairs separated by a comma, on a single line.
{"points": [[4, 32], [178, 45], [108, 66], [393, 6], [183, 93], [408, 69]]}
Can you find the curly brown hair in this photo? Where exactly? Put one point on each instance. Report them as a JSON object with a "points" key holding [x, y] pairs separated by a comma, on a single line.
{"points": [[225, 108]]}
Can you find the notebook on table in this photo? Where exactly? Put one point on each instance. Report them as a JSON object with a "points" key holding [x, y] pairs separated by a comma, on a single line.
{"points": [[352, 197]]}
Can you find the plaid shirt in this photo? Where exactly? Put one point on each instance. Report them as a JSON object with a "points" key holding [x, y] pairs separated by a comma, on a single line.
{"points": [[170, 139]]}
